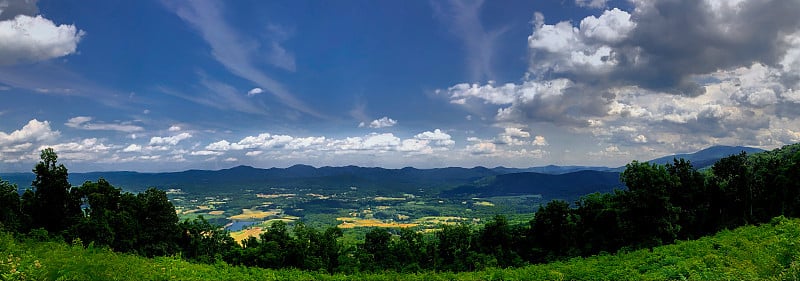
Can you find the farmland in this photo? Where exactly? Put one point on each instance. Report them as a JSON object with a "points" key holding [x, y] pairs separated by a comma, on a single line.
{"points": [[250, 211]]}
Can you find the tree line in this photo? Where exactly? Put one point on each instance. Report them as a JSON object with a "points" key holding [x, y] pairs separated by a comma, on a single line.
{"points": [[660, 204]]}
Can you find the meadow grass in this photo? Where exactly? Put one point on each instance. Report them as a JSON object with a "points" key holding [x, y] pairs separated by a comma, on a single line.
{"points": [[767, 252]]}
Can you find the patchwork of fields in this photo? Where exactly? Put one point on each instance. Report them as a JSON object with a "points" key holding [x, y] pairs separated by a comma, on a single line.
{"points": [[250, 211]]}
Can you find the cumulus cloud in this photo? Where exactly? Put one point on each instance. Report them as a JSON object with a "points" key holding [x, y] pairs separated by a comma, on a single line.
{"points": [[380, 123], [285, 146], [132, 148], [254, 91], [539, 141], [438, 137], [83, 122], [33, 131], [516, 132], [27, 37], [662, 76], [171, 140], [482, 147], [174, 128], [90, 149], [557, 101]]}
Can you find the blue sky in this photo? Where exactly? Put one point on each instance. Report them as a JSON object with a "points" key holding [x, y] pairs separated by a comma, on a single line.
{"points": [[175, 85]]}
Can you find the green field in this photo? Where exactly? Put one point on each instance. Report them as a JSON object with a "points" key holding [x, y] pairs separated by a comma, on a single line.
{"points": [[767, 252]]}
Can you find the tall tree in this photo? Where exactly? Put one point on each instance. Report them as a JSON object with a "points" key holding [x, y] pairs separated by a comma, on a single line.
{"points": [[158, 223], [553, 230], [690, 195], [733, 178], [204, 242], [496, 239], [52, 207], [376, 248], [102, 206], [409, 249], [454, 247], [649, 217]]}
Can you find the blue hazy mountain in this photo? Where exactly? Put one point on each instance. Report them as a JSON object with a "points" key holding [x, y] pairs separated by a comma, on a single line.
{"points": [[550, 181], [707, 157]]}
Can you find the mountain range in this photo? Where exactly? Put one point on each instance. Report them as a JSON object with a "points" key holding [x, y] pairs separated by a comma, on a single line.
{"points": [[549, 181]]}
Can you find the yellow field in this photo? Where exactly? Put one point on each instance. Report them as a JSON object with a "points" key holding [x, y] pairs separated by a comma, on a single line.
{"points": [[216, 213], [348, 222], [241, 235], [252, 214], [256, 231], [484, 203]]}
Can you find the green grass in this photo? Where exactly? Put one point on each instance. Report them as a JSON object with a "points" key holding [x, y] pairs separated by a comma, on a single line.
{"points": [[767, 252]]}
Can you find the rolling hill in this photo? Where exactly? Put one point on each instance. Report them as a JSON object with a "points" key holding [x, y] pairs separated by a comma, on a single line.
{"points": [[567, 186], [550, 181]]}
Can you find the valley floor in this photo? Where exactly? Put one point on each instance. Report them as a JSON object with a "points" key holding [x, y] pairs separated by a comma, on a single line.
{"points": [[767, 252]]}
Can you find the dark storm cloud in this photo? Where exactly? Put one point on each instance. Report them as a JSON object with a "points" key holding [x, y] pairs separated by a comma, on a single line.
{"points": [[675, 39]]}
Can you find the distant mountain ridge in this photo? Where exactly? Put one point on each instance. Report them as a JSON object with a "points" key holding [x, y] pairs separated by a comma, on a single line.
{"points": [[707, 157], [568, 186], [551, 180]]}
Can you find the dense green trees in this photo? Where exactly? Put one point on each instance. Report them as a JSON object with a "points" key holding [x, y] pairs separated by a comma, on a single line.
{"points": [[661, 204], [10, 212]]}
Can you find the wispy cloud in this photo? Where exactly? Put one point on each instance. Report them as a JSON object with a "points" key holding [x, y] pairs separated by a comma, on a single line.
{"points": [[234, 51], [463, 20], [84, 123]]}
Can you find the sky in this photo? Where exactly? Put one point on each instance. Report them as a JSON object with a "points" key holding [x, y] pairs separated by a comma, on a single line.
{"points": [[174, 85]]}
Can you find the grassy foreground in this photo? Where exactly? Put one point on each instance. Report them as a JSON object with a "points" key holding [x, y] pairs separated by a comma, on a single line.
{"points": [[767, 252]]}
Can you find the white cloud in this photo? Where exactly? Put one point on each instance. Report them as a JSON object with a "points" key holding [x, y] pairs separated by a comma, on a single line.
{"points": [[380, 123], [254, 153], [205, 153], [611, 27], [83, 122], [132, 148], [29, 39], [230, 159], [91, 149], [516, 132], [482, 148], [235, 51], [254, 91], [591, 3], [222, 145], [438, 136], [174, 128], [385, 141], [171, 140], [539, 141], [463, 19], [34, 131]]}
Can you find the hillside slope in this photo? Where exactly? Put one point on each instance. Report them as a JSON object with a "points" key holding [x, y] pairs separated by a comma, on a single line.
{"points": [[766, 252], [708, 156], [567, 186]]}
